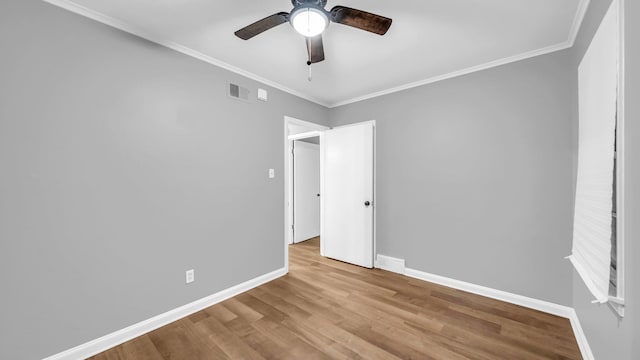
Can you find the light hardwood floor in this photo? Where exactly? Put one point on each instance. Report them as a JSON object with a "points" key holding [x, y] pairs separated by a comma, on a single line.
{"points": [[325, 309]]}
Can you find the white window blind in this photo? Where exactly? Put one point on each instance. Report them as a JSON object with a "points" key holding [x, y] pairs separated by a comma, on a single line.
{"points": [[598, 94]]}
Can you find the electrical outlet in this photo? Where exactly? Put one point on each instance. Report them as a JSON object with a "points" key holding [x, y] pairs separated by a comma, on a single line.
{"points": [[190, 276]]}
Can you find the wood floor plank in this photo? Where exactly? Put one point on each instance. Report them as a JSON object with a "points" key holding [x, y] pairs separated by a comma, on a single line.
{"points": [[180, 340], [221, 312], [342, 336], [326, 309], [240, 309], [141, 348], [231, 344], [315, 338], [255, 339]]}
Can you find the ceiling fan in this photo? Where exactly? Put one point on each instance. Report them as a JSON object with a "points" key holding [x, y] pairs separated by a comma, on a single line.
{"points": [[310, 19]]}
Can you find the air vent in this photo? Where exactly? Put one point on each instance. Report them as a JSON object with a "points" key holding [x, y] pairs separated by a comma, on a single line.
{"points": [[234, 90], [238, 92]]}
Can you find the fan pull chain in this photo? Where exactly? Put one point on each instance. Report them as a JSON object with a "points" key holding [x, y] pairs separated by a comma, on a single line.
{"points": [[309, 62]]}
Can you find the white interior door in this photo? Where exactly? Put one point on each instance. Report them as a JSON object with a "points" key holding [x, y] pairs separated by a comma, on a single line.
{"points": [[348, 194], [306, 190]]}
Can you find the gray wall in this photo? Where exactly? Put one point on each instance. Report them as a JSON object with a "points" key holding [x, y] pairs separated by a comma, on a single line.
{"points": [[474, 176], [123, 164], [609, 337], [118, 173]]}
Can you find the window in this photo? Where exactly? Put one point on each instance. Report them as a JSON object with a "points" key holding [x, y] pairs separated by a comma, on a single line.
{"points": [[598, 246]]}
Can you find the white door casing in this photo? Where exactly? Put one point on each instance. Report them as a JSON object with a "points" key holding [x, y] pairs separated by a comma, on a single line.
{"points": [[294, 129]]}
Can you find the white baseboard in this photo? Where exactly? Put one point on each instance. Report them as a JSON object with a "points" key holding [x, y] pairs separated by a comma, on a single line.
{"points": [[116, 338], [541, 305], [581, 338], [531, 303], [390, 264]]}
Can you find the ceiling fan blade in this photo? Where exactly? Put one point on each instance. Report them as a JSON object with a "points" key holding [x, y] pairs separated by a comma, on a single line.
{"points": [[360, 19], [263, 25], [315, 49]]}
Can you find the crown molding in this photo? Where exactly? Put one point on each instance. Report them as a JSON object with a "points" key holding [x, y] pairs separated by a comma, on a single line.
{"points": [[69, 5], [455, 74], [583, 6], [131, 29], [573, 33]]}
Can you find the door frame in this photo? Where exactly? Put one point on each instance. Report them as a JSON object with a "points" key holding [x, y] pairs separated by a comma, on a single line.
{"points": [[314, 130], [317, 130]]}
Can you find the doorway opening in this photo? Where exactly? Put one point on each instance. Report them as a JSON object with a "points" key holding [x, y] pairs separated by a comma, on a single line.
{"points": [[304, 138], [306, 189], [345, 200]]}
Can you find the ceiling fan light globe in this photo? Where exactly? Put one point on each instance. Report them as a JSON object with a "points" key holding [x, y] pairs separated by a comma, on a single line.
{"points": [[309, 21]]}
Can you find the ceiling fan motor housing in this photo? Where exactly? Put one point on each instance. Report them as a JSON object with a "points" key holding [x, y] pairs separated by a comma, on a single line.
{"points": [[320, 3], [315, 8], [309, 4]]}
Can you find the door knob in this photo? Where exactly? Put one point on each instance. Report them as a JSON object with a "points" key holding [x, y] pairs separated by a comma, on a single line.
{"points": [[367, 203]]}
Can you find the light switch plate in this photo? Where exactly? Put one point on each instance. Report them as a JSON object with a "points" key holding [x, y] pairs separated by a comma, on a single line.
{"points": [[262, 94], [272, 173]]}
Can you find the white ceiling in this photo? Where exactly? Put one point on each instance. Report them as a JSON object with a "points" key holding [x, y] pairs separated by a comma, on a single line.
{"points": [[428, 40]]}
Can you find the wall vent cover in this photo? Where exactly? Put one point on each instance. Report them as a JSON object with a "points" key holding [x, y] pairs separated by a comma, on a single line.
{"points": [[238, 92]]}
